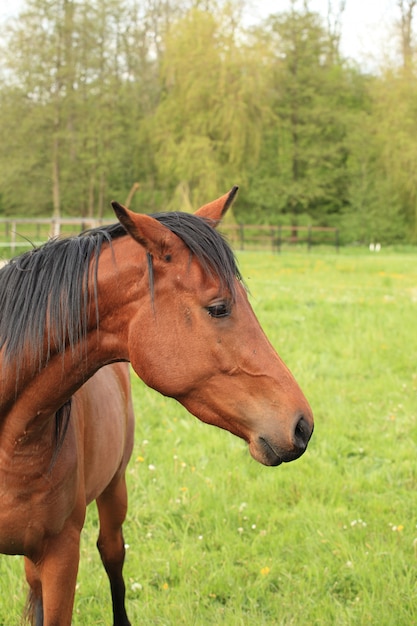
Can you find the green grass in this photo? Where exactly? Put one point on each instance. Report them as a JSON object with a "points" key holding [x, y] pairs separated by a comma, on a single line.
{"points": [[215, 538]]}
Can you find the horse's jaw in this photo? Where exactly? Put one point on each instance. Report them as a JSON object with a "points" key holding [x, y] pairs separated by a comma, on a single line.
{"points": [[273, 437]]}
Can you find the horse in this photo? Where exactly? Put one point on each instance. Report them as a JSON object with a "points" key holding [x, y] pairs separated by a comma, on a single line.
{"points": [[93, 455], [164, 293]]}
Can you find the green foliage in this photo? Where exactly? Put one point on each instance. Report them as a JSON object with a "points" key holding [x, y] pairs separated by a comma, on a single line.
{"points": [[215, 538], [207, 128], [185, 99], [395, 152], [306, 171]]}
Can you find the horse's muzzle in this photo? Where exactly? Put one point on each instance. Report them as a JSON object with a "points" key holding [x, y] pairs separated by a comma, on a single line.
{"points": [[302, 435], [272, 450]]}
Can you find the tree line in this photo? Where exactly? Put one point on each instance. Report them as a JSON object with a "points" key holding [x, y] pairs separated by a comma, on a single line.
{"points": [[165, 104]]}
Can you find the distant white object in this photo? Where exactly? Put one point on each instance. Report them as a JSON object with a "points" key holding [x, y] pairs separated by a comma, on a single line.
{"points": [[375, 247], [372, 247]]}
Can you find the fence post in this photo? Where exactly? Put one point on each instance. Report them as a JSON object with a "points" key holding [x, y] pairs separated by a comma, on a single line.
{"points": [[56, 227], [279, 239], [309, 238]]}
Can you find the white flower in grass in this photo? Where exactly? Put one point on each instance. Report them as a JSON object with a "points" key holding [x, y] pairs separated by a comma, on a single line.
{"points": [[358, 522]]}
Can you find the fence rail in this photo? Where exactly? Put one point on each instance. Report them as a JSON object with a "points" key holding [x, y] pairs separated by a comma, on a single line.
{"points": [[16, 233], [27, 232], [250, 236]]}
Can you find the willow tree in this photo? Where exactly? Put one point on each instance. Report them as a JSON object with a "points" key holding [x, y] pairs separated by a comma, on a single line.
{"points": [[207, 128]]}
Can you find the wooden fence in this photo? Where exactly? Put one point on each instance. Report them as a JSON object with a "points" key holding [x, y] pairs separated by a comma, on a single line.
{"points": [[274, 238], [19, 233]]}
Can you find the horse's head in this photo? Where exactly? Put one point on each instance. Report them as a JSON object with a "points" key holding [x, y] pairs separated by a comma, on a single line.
{"points": [[198, 339]]}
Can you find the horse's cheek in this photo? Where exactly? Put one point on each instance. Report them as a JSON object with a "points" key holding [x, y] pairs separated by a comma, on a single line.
{"points": [[149, 355], [140, 361]]}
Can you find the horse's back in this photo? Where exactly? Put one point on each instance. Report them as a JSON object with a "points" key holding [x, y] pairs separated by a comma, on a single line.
{"points": [[104, 411]]}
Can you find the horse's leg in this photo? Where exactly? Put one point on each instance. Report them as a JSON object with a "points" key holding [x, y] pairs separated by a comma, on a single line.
{"points": [[34, 607], [52, 579], [112, 508]]}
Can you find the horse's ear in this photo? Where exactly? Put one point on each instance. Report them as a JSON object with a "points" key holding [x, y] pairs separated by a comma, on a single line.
{"points": [[215, 210], [143, 228]]}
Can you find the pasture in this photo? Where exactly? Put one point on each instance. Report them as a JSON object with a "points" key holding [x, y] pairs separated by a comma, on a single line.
{"points": [[215, 538]]}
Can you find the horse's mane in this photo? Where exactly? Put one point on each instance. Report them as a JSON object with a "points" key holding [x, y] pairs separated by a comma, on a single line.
{"points": [[43, 293], [207, 244], [47, 292]]}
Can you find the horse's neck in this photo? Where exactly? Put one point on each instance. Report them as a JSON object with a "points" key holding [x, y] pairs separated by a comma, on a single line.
{"points": [[29, 398], [29, 401]]}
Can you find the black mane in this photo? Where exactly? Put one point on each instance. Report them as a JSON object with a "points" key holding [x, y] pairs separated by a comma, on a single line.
{"points": [[206, 243], [44, 292]]}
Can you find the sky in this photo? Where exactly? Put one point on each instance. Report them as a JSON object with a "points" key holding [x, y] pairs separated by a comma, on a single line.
{"points": [[365, 23]]}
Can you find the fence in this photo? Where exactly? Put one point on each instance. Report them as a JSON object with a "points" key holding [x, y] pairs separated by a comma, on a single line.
{"points": [[255, 237], [27, 232], [17, 233]]}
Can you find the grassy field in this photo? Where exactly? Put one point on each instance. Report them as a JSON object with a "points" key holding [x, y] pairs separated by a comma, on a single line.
{"points": [[215, 538]]}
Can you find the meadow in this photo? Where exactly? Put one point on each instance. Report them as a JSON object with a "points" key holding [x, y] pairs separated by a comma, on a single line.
{"points": [[215, 538]]}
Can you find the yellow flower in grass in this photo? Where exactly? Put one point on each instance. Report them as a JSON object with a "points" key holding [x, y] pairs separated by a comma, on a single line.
{"points": [[265, 571], [165, 586], [398, 529]]}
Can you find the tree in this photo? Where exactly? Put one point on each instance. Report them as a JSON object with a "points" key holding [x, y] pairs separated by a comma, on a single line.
{"points": [[334, 21], [383, 153], [82, 90], [302, 169], [407, 8], [394, 127], [179, 97], [206, 131]]}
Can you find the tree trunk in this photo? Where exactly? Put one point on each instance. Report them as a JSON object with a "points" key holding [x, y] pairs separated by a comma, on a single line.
{"points": [[406, 22]]}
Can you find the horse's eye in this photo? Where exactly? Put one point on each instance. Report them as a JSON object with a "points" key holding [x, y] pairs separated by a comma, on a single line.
{"points": [[219, 310]]}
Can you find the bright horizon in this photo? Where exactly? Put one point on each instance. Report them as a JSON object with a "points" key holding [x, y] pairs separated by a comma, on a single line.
{"points": [[367, 27]]}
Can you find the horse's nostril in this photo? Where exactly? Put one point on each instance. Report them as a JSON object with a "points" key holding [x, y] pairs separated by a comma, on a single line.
{"points": [[302, 433]]}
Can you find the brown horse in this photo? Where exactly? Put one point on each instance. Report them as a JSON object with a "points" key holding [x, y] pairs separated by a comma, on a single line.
{"points": [[164, 293], [90, 465]]}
